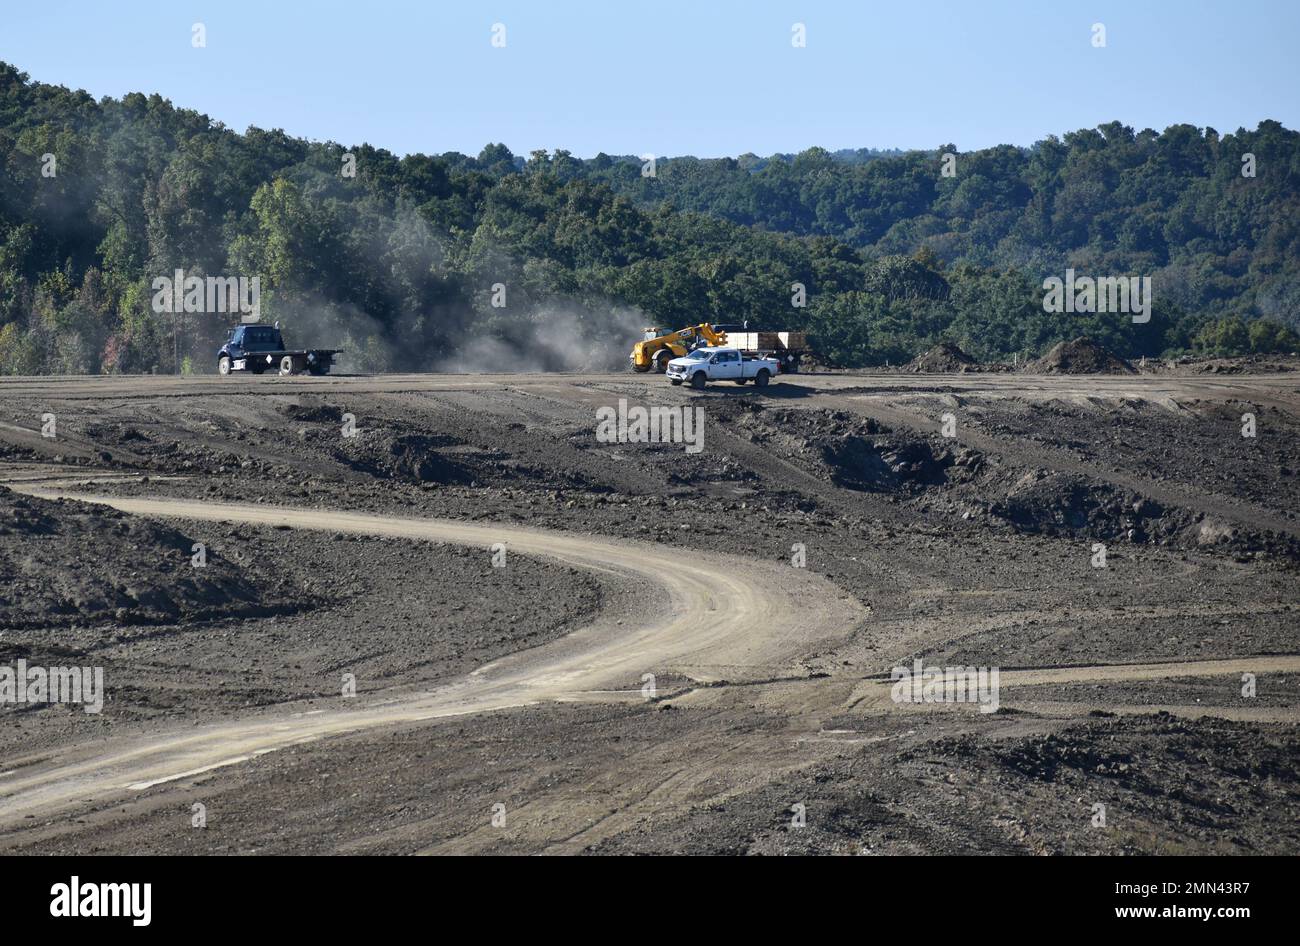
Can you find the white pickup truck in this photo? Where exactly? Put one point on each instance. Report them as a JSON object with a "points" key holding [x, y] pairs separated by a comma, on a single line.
{"points": [[721, 364]]}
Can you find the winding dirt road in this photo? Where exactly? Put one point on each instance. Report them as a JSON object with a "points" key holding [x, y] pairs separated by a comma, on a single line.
{"points": [[714, 617], [709, 617]]}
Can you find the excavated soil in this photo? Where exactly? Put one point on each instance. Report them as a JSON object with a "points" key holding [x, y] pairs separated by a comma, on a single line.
{"points": [[1079, 356], [944, 357], [978, 548], [64, 563]]}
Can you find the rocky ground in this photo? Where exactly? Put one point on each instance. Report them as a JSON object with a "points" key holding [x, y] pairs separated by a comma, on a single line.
{"points": [[980, 548]]}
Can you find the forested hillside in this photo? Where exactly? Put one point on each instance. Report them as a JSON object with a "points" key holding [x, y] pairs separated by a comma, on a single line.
{"points": [[397, 263]]}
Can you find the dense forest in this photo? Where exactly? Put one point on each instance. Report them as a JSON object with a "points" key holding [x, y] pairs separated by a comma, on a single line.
{"points": [[501, 261]]}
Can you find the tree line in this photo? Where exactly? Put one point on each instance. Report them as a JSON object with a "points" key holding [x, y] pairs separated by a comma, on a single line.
{"points": [[412, 262]]}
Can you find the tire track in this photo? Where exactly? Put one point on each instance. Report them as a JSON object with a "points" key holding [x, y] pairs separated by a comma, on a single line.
{"points": [[875, 694]]}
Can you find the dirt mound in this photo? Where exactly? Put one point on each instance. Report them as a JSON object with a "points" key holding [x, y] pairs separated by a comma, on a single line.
{"points": [[885, 463], [935, 476], [942, 358], [1068, 504], [65, 562], [1080, 356], [313, 413], [404, 456], [860, 453], [414, 455]]}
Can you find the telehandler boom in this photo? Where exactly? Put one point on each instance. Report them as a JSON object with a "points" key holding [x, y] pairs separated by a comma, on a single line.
{"points": [[655, 350]]}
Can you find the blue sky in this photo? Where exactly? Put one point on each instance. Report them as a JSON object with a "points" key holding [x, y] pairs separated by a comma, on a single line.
{"points": [[709, 77]]}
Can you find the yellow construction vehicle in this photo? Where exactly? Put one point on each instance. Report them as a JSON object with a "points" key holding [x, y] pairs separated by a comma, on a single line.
{"points": [[655, 350]]}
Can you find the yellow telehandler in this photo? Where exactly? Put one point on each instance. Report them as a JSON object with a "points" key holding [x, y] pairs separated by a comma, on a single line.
{"points": [[655, 350]]}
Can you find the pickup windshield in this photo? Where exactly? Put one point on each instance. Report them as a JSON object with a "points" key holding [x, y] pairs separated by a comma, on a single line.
{"points": [[699, 354]]}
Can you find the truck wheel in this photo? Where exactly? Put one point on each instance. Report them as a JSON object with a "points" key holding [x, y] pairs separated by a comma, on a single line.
{"points": [[223, 364], [761, 378], [699, 380], [661, 360], [286, 365]]}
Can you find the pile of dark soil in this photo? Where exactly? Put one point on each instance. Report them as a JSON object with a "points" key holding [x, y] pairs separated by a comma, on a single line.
{"points": [[1053, 503], [313, 413], [944, 358], [931, 474], [882, 463], [417, 457], [64, 563], [858, 453], [1067, 504], [1080, 356]]}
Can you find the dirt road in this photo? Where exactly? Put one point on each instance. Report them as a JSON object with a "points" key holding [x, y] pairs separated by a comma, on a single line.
{"points": [[1157, 388], [707, 618]]}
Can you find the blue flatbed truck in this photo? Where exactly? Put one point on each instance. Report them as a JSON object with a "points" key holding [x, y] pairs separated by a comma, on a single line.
{"points": [[259, 348]]}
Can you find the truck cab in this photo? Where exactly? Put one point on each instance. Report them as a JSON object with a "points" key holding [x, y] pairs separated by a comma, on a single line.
{"points": [[257, 338], [248, 341]]}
